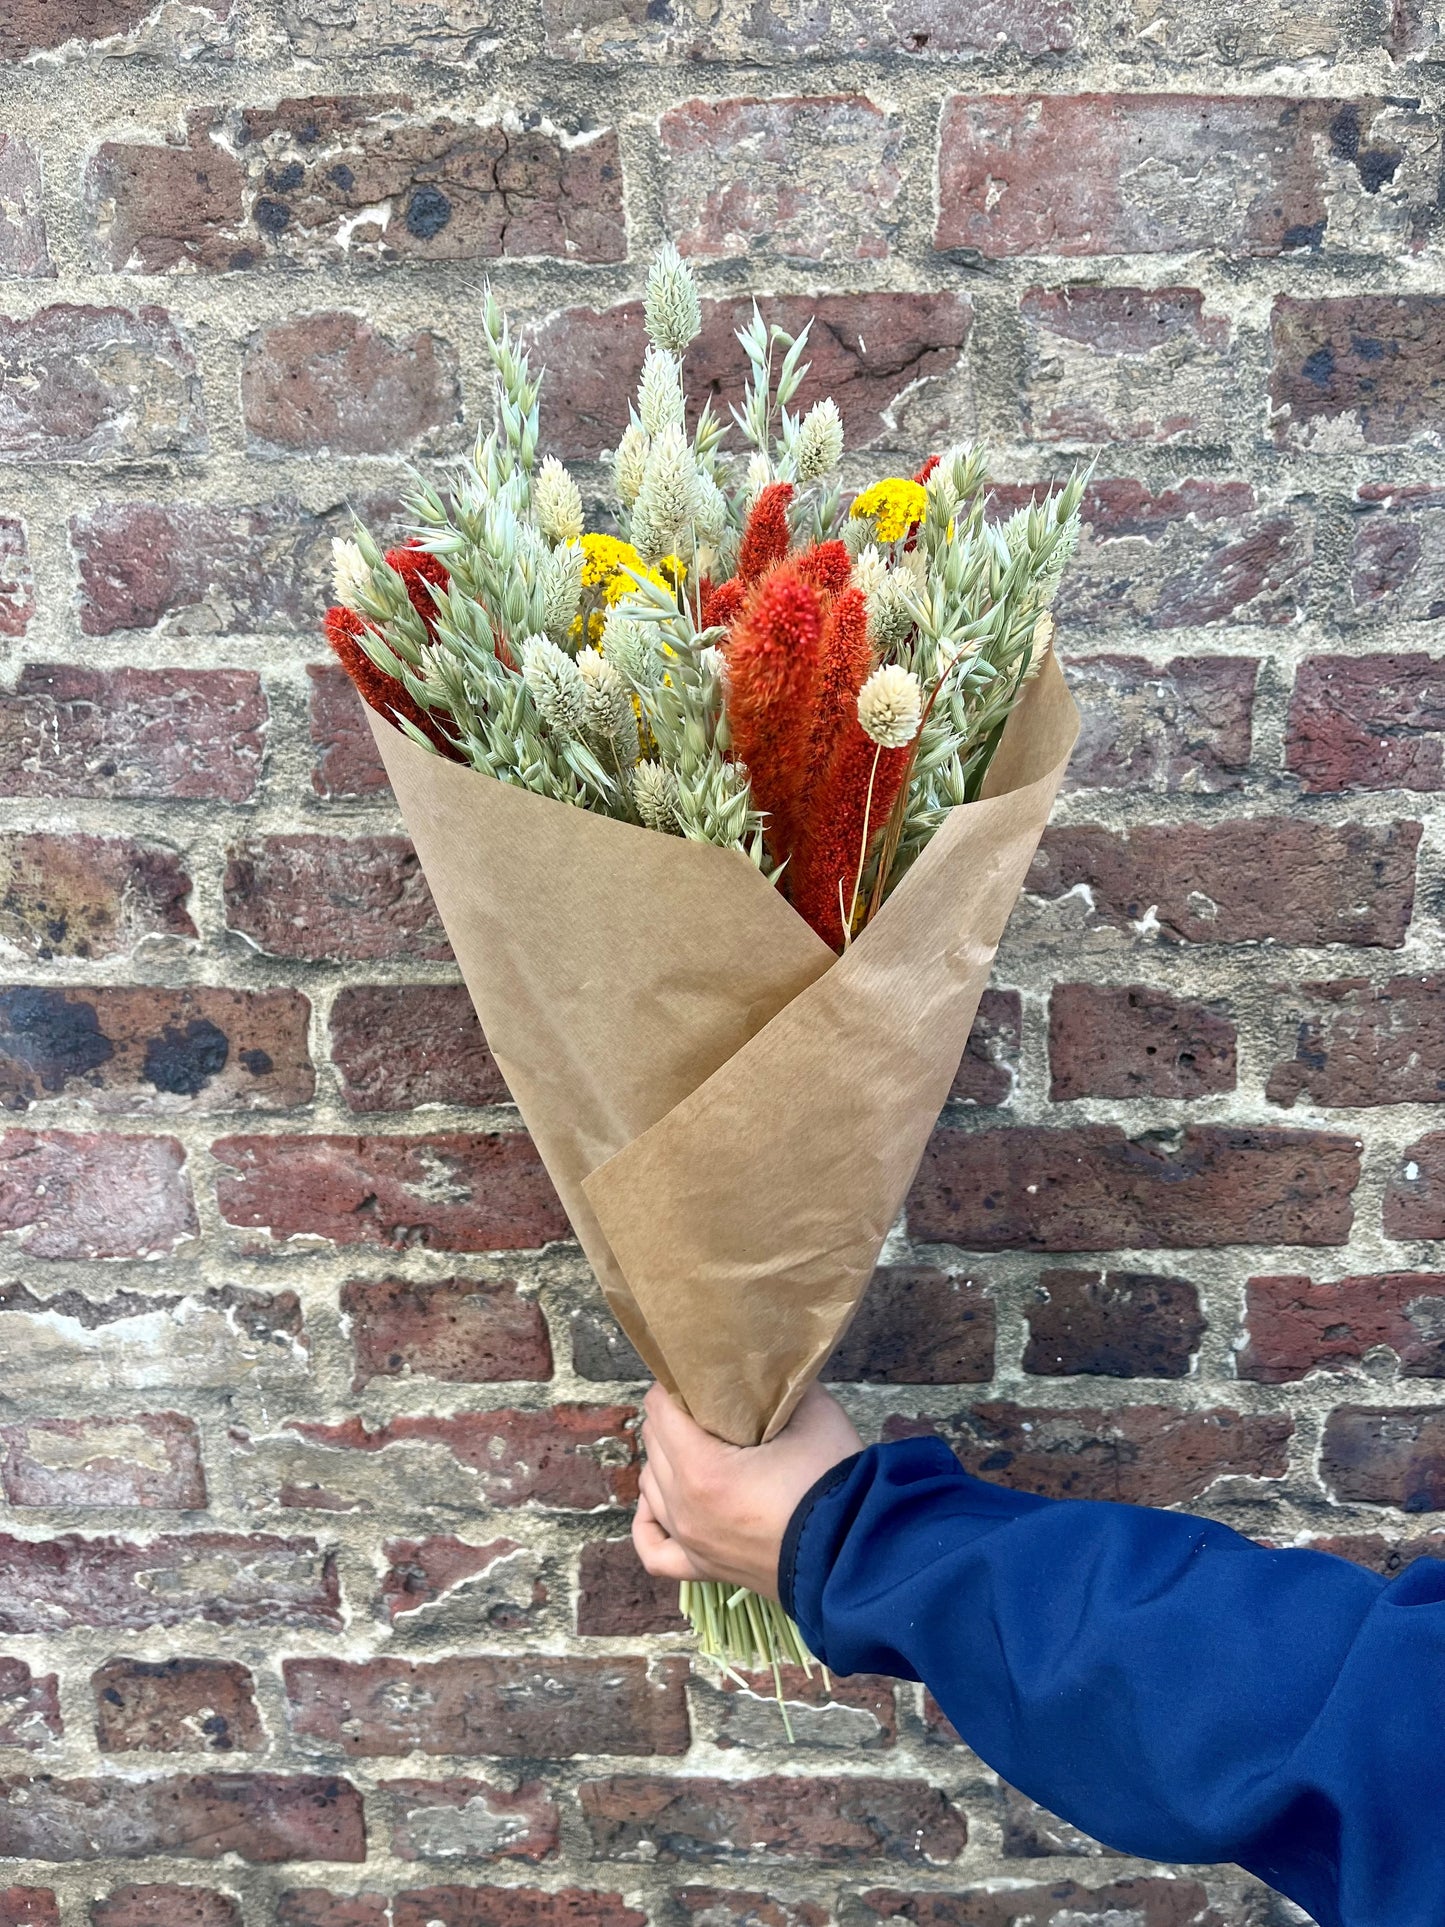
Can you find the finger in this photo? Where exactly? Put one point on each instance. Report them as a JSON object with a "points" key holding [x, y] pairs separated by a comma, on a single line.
{"points": [[655, 1500], [660, 1554]]}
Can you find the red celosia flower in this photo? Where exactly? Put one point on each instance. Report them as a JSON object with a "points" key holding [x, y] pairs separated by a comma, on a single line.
{"points": [[766, 537], [721, 604], [381, 692], [848, 810], [417, 567], [927, 469], [845, 658], [827, 565], [772, 670]]}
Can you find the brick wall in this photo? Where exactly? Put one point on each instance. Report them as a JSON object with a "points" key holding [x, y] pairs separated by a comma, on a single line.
{"points": [[315, 1603]]}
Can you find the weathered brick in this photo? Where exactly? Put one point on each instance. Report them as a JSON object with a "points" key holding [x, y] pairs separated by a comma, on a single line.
{"points": [[1270, 33], [612, 30], [397, 1047], [917, 1326], [469, 1820], [260, 1817], [1397, 558], [318, 898], [1127, 365], [1093, 1188], [1358, 370], [1143, 1902], [1417, 29], [17, 580], [211, 568], [1133, 1040], [112, 27], [228, 1579], [1138, 1455], [23, 251], [1114, 1324], [468, 1331], [1367, 723], [576, 1457], [1030, 1832], [1293, 1325], [457, 1192], [358, 178], [1415, 1195], [600, 1349], [1168, 173], [82, 384], [1181, 728], [1254, 880], [346, 763], [29, 1709], [1388, 1557], [88, 896], [320, 1907], [824, 1714], [884, 359], [1361, 1043], [453, 32], [165, 1906], [802, 178], [176, 1706], [493, 1586], [841, 1823], [717, 1907], [989, 1067], [489, 1706], [512, 1907], [617, 1599], [95, 1196], [69, 1341], [330, 384], [152, 1460], [28, 1907], [1393, 1457]]}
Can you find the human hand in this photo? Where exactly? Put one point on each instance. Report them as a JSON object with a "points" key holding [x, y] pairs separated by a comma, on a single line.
{"points": [[715, 1511]]}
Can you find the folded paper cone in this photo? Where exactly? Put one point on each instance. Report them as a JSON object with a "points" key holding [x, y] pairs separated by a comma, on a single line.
{"points": [[732, 1115]]}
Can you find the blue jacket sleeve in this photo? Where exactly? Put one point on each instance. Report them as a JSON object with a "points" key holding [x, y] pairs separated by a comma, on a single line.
{"points": [[1171, 1688]]}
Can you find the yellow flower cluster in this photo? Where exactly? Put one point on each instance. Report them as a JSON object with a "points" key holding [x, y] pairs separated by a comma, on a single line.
{"points": [[893, 506], [605, 578]]}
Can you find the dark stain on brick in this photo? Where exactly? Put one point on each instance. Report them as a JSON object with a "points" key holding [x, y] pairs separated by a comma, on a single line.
{"points": [[183, 1061], [258, 1062], [46, 1039], [272, 217], [284, 180], [427, 213]]}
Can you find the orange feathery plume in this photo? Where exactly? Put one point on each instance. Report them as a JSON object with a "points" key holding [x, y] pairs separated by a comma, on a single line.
{"points": [[827, 565], [772, 670], [379, 691], [721, 604], [417, 567], [845, 657], [766, 537], [927, 469], [849, 808]]}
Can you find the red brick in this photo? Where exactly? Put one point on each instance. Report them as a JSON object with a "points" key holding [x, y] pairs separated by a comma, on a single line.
{"points": [[331, 384], [576, 1457], [1358, 369], [1294, 1326], [489, 1706], [1388, 1557], [616, 1599], [1093, 1188], [1161, 174], [165, 1906], [357, 178], [399, 1046], [1367, 723], [825, 1714], [97, 384], [226, 1579], [512, 1907], [259, 1817], [1127, 365], [1393, 1457], [868, 351], [119, 26], [1415, 1195], [176, 1706], [1397, 559], [17, 581], [211, 568], [467, 1331], [841, 1823], [714, 1907], [989, 1067], [152, 1460], [152, 1051], [353, 899], [320, 1907], [454, 1192], [1183, 728], [1115, 1324], [1143, 1902], [917, 1326], [28, 1907], [29, 1710], [1265, 879], [23, 252], [1029, 1832], [469, 1820], [1132, 1040], [1417, 29], [612, 32], [95, 1196], [1137, 1455], [792, 178], [88, 896], [1361, 1043], [346, 760], [422, 1572], [68, 730]]}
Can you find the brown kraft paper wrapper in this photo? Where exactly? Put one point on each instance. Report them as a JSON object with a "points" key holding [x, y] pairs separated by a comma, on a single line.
{"points": [[731, 1113]]}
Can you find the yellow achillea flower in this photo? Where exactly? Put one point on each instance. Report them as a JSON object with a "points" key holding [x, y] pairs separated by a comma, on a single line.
{"points": [[605, 581], [893, 506]]}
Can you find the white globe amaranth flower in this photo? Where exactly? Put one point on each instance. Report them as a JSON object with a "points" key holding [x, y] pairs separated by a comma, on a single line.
{"points": [[560, 576], [557, 503], [349, 573], [631, 646], [890, 612], [672, 312], [629, 464], [890, 705], [654, 791], [869, 569], [670, 496], [856, 534], [660, 402], [556, 685], [820, 441], [759, 474]]}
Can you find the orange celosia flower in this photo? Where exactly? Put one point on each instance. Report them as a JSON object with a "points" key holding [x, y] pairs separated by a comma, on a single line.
{"points": [[845, 658], [827, 565], [721, 604], [927, 469], [417, 567], [379, 691], [766, 537], [851, 805], [772, 671]]}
